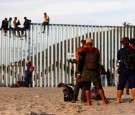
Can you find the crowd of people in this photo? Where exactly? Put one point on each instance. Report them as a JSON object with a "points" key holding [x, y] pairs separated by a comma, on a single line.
{"points": [[21, 31], [7, 25], [89, 70], [88, 65]]}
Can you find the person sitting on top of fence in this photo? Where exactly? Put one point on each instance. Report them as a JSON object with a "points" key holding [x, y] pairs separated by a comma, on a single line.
{"points": [[46, 21], [4, 26], [16, 27], [26, 25]]}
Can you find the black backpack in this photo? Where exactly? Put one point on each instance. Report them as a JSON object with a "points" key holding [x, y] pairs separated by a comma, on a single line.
{"points": [[68, 93], [129, 58], [91, 61]]}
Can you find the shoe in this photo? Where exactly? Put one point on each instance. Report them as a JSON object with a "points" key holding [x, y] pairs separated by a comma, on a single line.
{"points": [[73, 101], [116, 101]]}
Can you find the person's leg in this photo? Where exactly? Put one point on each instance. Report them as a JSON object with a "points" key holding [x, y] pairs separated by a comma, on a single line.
{"points": [[133, 93], [43, 27], [121, 85], [76, 91], [87, 85], [127, 88], [47, 29], [98, 85], [101, 93], [131, 83], [87, 93], [5, 32], [119, 94], [83, 97], [14, 32], [18, 32]]}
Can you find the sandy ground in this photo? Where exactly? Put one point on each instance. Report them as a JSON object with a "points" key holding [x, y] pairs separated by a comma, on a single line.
{"points": [[24, 101]]}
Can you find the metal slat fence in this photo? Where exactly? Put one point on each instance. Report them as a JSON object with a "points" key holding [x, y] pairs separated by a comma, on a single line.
{"points": [[49, 52]]}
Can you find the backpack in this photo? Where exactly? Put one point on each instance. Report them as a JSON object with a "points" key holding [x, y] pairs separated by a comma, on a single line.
{"points": [[91, 61], [129, 58], [68, 93]]}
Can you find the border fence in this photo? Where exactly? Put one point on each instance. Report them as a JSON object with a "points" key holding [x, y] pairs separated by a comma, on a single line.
{"points": [[49, 52]]}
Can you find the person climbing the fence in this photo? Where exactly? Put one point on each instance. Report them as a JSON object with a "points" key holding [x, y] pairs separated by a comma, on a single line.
{"points": [[17, 28]]}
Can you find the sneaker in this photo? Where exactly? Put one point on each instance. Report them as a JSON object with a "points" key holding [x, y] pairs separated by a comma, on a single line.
{"points": [[116, 101]]}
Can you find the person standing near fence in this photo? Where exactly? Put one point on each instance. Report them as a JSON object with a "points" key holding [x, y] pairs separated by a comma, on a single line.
{"points": [[126, 69], [46, 22], [90, 73], [28, 74], [78, 82]]}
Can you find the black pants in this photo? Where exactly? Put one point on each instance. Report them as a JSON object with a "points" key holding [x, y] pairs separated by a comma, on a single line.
{"points": [[45, 24], [76, 91]]}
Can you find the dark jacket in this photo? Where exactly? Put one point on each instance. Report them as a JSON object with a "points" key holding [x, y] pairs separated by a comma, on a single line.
{"points": [[28, 73], [121, 56]]}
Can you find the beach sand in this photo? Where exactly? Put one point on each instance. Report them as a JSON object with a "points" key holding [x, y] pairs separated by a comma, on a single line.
{"points": [[24, 101]]}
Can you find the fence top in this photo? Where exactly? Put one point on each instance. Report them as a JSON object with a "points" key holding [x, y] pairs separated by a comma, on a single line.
{"points": [[81, 25], [75, 25]]}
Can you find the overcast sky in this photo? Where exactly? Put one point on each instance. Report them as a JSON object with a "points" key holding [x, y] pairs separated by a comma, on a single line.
{"points": [[82, 12]]}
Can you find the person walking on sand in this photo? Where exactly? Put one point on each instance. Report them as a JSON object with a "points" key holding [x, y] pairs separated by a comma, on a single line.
{"points": [[90, 73], [126, 55]]}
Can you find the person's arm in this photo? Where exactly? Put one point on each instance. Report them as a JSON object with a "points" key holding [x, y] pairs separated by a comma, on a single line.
{"points": [[14, 23], [81, 62]]}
